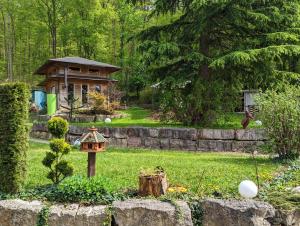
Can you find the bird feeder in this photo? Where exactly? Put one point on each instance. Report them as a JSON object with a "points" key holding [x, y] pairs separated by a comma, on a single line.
{"points": [[92, 143]]}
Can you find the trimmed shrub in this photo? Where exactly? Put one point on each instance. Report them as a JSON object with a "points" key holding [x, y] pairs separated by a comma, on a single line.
{"points": [[59, 168], [14, 107], [58, 127], [280, 114]]}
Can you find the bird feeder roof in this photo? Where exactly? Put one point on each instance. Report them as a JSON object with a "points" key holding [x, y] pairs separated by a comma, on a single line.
{"points": [[93, 136]]}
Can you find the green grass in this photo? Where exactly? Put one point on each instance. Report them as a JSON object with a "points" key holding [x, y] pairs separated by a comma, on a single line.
{"points": [[142, 117], [220, 172]]}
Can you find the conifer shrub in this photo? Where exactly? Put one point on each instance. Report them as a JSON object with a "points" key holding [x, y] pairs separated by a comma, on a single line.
{"points": [[14, 107], [59, 167], [58, 127]]}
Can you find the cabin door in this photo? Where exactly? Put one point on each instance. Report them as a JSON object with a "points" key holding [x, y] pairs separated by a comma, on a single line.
{"points": [[70, 92]]}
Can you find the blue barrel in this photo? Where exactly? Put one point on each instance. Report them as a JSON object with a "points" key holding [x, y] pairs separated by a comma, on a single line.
{"points": [[39, 98]]}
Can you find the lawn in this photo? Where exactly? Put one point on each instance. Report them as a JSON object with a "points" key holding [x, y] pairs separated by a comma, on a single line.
{"points": [[201, 173], [137, 116]]}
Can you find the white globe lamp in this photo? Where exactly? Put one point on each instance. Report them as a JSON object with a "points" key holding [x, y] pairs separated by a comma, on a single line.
{"points": [[107, 120], [248, 189]]}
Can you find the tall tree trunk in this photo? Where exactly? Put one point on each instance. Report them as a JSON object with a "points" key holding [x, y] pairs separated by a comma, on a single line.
{"points": [[114, 41], [122, 46], [54, 27]]}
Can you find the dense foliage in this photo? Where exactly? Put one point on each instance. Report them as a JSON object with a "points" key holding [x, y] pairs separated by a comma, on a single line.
{"points": [[280, 114], [14, 103], [58, 127], [214, 49]]}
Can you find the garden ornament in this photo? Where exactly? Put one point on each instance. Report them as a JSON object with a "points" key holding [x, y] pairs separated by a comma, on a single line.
{"points": [[92, 143], [248, 189], [246, 120]]}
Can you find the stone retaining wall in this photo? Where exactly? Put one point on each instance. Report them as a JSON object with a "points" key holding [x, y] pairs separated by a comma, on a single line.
{"points": [[144, 212], [171, 138]]}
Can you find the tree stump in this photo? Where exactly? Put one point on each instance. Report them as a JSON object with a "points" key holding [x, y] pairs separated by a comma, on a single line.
{"points": [[154, 185]]}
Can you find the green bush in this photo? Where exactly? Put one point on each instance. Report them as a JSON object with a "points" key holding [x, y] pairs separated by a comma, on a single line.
{"points": [[59, 168], [280, 114], [14, 107], [58, 127]]}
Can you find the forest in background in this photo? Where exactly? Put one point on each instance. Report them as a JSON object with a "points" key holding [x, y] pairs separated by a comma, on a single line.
{"points": [[198, 54], [32, 31]]}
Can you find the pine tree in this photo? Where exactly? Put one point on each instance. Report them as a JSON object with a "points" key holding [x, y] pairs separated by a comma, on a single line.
{"points": [[216, 48]]}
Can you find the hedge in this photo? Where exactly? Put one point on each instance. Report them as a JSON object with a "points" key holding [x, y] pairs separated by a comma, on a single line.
{"points": [[14, 104]]}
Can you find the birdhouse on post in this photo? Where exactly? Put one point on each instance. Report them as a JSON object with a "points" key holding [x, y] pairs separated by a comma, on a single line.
{"points": [[92, 142]]}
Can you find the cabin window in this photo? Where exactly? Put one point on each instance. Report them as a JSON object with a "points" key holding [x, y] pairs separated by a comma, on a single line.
{"points": [[74, 69], [98, 88], [100, 145], [84, 94], [70, 91], [90, 146], [93, 71]]}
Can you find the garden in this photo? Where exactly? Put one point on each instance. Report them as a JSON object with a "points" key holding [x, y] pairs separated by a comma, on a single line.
{"points": [[56, 171], [198, 125]]}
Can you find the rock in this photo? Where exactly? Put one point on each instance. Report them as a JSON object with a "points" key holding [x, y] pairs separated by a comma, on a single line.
{"points": [[250, 134], [236, 213], [150, 213], [73, 215], [216, 134], [19, 213], [296, 189]]}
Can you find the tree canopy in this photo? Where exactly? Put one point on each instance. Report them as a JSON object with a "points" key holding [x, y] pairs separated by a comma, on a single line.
{"points": [[214, 49]]}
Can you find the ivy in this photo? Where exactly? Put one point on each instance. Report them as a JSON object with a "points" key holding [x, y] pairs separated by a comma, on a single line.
{"points": [[43, 216]]}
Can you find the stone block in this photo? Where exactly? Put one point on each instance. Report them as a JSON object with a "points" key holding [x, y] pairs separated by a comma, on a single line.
{"points": [[165, 132], [144, 132], [150, 213], [133, 132], [76, 130], [119, 133], [176, 144], [19, 213], [216, 134], [164, 143], [246, 146], [73, 215], [134, 142], [190, 145], [214, 145], [153, 132], [250, 134], [150, 142], [236, 213]]}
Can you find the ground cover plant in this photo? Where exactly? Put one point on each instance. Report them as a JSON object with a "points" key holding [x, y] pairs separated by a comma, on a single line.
{"points": [[201, 173], [137, 116]]}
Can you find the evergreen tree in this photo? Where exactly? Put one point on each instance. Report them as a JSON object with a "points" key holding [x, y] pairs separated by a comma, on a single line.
{"points": [[217, 48]]}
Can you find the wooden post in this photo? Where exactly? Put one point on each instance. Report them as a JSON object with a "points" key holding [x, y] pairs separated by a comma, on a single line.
{"points": [[91, 164]]}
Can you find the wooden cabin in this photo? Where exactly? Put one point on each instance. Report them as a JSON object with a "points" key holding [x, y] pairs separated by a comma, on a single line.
{"points": [[75, 76]]}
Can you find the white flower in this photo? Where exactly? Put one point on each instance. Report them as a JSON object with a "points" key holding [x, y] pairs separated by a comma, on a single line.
{"points": [[258, 122]]}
